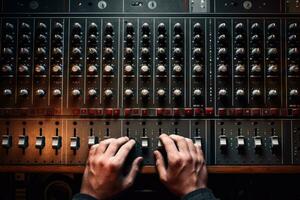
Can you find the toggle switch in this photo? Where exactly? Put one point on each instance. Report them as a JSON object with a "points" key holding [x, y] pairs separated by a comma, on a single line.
{"points": [[40, 142], [56, 142], [23, 141], [75, 143], [6, 141]]}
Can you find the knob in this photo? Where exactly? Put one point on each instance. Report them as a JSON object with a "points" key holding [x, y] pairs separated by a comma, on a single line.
{"points": [[145, 93], [92, 52], [294, 93], [256, 93], [76, 69], [128, 53], [7, 52], [272, 52], [292, 39], [272, 93], [24, 52], [129, 28], [109, 29], [76, 39], [222, 93], [240, 68], [24, 92], [177, 28], [76, 27], [9, 27], [293, 52], [7, 92], [108, 40], [41, 52], [42, 39], [177, 68], [92, 93], [222, 27], [240, 93], [57, 52], [39, 68], [145, 69], [40, 93], [8, 39], [108, 53], [161, 69], [177, 93], [92, 69], [255, 27], [222, 68], [272, 27], [272, 38], [161, 53], [161, 28], [76, 93], [76, 52], [197, 53], [255, 52], [145, 40], [128, 69], [222, 39], [6, 68], [58, 27], [25, 27], [239, 38], [145, 28], [272, 68], [197, 28], [128, 93], [93, 27], [197, 68], [108, 69], [129, 40], [23, 68], [197, 40], [294, 69], [240, 52], [177, 53], [161, 40], [239, 27], [145, 53], [93, 40], [42, 27], [255, 39], [56, 93], [256, 68], [197, 92], [25, 39], [161, 93], [108, 93], [177, 39], [222, 52]]}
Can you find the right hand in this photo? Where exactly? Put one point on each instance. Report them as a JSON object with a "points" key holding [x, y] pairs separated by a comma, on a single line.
{"points": [[186, 171]]}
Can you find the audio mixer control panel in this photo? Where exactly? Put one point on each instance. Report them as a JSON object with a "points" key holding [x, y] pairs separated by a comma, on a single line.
{"points": [[225, 74]]}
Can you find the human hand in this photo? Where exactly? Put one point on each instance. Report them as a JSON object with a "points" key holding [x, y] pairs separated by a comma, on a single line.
{"points": [[186, 171], [103, 176]]}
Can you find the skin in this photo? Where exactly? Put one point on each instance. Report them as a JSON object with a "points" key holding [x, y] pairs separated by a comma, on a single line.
{"points": [[103, 177]]}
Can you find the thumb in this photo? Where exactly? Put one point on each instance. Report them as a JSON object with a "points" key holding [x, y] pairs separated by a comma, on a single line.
{"points": [[135, 167], [160, 165]]}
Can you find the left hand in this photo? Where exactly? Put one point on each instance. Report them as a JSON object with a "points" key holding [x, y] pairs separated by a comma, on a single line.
{"points": [[103, 176]]}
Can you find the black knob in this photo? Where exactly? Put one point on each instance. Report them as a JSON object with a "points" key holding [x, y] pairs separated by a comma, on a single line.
{"points": [[239, 38], [129, 53], [222, 28], [145, 40], [42, 39], [108, 40], [76, 39], [58, 39], [76, 52], [77, 27], [9, 27], [161, 28], [197, 53], [161, 40], [292, 38], [42, 27], [272, 28], [8, 39], [222, 52], [25, 27], [24, 52], [129, 28], [272, 52], [293, 27], [161, 53], [222, 39], [41, 52], [129, 40], [7, 52], [293, 53], [57, 52], [255, 52], [109, 29], [146, 28], [145, 54], [178, 39], [197, 40], [108, 53], [58, 27], [239, 27], [92, 52], [92, 39], [177, 28], [93, 28], [197, 28], [240, 52], [272, 38], [255, 39], [177, 53], [25, 39], [255, 27]]}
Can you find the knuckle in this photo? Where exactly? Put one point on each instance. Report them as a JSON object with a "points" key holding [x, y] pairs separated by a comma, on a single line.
{"points": [[114, 165]]}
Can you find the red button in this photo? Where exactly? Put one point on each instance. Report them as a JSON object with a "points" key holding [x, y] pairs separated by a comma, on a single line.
{"points": [[92, 112], [197, 111], [159, 112], [238, 112], [167, 112], [76, 111], [144, 112], [296, 112], [108, 112], [136, 111], [255, 112], [127, 112], [116, 112], [83, 111], [176, 112], [246, 112], [274, 112], [188, 112], [209, 111], [222, 112]]}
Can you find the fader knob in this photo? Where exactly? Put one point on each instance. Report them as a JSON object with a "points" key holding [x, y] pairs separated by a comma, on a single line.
{"points": [[23, 92], [197, 93], [222, 93], [177, 93], [7, 92], [272, 93], [177, 69], [145, 93], [108, 93], [92, 93], [240, 93], [128, 93], [23, 68], [6, 68], [256, 93], [76, 68], [161, 69], [56, 68], [76, 92], [92, 69], [39, 68], [161, 93], [197, 69], [40, 93], [294, 69], [294, 93], [145, 69], [108, 69], [56, 93]]}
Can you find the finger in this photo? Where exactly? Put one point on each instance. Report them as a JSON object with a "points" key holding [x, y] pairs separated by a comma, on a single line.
{"points": [[200, 156], [160, 165], [102, 146], [168, 143], [115, 145], [123, 152], [192, 148], [135, 167], [181, 143]]}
